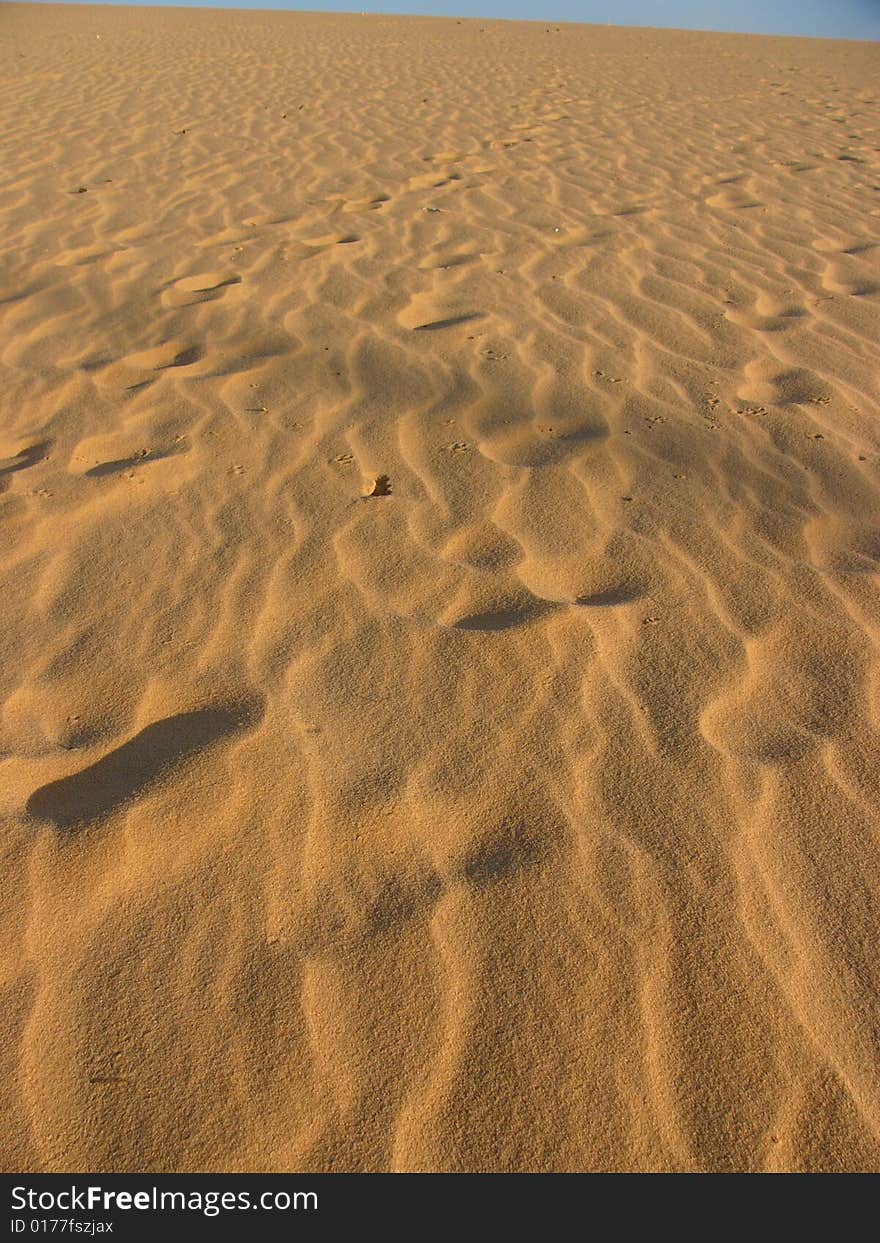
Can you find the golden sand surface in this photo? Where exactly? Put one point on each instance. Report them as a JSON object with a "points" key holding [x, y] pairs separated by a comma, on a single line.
{"points": [[440, 546]]}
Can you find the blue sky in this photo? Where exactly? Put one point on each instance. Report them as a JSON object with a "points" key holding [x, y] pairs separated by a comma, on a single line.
{"points": [[842, 19]]}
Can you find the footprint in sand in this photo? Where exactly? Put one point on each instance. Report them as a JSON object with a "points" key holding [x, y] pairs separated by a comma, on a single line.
{"points": [[451, 321], [531, 445], [768, 384], [140, 369], [25, 458], [322, 241], [424, 314], [840, 279], [500, 619], [357, 206], [204, 287], [143, 457], [848, 245], [137, 766], [767, 314], [431, 181], [733, 198], [82, 255], [611, 597], [446, 157]]}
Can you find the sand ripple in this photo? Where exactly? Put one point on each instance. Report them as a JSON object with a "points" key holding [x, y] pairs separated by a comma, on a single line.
{"points": [[439, 485]]}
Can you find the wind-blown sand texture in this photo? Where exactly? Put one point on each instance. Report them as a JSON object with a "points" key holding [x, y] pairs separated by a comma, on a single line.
{"points": [[521, 815]]}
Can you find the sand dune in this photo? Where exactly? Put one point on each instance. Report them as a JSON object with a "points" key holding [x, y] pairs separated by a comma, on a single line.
{"points": [[441, 529]]}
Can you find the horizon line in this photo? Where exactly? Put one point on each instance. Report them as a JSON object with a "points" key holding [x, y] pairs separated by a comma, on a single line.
{"points": [[231, 6]]}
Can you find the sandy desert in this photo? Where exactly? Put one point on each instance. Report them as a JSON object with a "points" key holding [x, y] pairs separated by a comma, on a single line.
{"points": [[440, 513]]}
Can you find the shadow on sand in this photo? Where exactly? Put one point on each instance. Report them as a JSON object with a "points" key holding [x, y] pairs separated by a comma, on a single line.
{"points": [[119, 776]]}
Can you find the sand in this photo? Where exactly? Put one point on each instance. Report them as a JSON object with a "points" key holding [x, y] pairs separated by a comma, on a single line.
{"points": [[441, 534]]}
